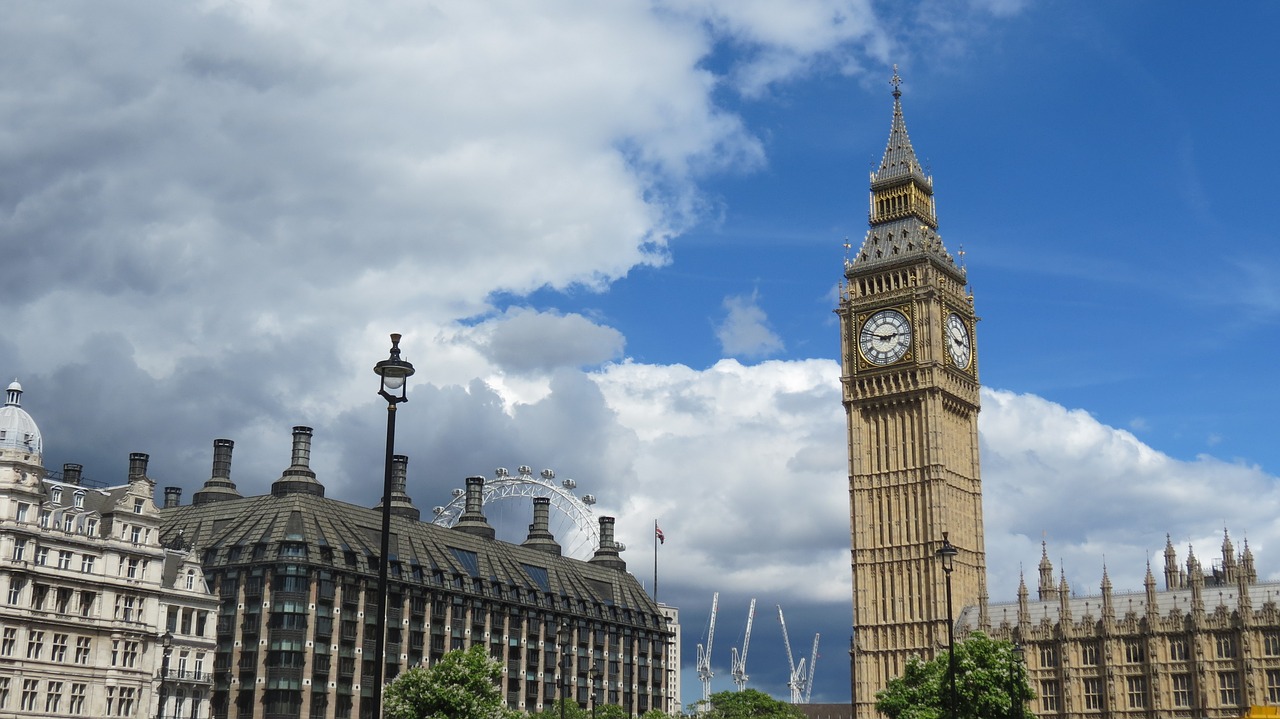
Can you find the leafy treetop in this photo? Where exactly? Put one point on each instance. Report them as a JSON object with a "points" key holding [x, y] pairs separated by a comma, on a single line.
{"points": [[991, 683]]}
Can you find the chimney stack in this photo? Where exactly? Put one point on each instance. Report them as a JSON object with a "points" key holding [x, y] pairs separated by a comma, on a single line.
{"points": [[540, 536], [299, 478], [222, 458], [607, 555], [219, 486], [172, 497], [71, 473], [138, 465], [472, 520], [401, 504]]}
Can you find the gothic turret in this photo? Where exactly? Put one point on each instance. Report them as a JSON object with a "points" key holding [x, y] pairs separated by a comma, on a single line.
{"points": [[1047, 590]]}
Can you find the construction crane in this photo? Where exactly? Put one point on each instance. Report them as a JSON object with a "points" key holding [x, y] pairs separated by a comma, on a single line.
{"points": [[801, 681], [738, 663], [813, 666], [704, 657]]}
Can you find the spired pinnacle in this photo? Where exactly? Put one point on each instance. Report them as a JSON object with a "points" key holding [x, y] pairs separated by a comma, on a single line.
{"points": [[903, 218]]}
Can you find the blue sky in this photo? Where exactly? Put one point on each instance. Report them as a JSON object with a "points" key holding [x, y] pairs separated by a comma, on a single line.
{"points": [[612, 238]]}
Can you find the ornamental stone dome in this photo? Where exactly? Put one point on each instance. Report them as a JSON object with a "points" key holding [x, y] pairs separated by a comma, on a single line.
{"points": [[18, 432]]}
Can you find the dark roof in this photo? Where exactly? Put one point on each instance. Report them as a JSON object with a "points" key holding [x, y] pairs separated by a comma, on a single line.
{"points": [[228, 534], [826, 711]]}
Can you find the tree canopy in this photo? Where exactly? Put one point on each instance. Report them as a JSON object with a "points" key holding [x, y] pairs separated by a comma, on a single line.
{"points": [[462, 685], [991, 683], [749, 704]]}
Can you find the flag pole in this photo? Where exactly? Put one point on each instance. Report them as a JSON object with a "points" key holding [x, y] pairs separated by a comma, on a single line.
{"points": [[655, 560]]}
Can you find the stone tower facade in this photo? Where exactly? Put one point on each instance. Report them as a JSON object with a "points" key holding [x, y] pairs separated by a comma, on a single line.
{"points": [[910, 381]]}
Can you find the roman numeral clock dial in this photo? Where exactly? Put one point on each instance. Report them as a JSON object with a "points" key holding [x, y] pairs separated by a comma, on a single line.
{"points": [[958, 345], [885, 337]]}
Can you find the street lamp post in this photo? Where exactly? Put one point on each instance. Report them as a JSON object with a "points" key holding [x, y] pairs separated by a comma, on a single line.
{"points": [[393, 372], [166, 642], [947, 554], [563, 637], [593, 674], [1015, 684]]}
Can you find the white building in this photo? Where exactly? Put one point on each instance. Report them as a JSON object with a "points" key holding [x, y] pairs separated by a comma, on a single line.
{"points": [[89, 598], [672, 617]]}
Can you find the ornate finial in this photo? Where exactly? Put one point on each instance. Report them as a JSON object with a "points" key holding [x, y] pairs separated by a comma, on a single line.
{"points": [[897, 83]]}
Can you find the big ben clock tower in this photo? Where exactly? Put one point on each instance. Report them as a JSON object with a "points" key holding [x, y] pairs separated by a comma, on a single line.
{"points": [[910, 378]]}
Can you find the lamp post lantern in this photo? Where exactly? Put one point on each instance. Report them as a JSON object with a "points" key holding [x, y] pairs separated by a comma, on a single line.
{"points": [[393, 372], [166, 643], [947, 555]]}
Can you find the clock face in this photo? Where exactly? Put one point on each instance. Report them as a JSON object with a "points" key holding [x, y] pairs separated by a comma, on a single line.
{"points": [[958, 345], [885, 337]]}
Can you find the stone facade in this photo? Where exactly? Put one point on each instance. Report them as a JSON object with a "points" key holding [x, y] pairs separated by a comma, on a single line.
{"points": [[910, 379], [89, 592], [1205, 645]]}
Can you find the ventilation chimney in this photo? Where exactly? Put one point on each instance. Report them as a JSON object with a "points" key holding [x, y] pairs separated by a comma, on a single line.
{"points": [[138, 465], [172, 497], [401, 504], [219, 487], [71, 473], [222, 458], [607, 554], [540, 536], [472, 520], [298, 478]]}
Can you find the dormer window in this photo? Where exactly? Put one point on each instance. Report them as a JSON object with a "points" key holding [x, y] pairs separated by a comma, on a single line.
{"points": [[79, 500], [137, 506], [56, 495], [44, 518]]}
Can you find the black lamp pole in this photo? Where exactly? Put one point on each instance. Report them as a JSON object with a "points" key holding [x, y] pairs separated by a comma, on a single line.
{"points": [[393, 371], [563, 636], [595, 673], [1015, 686], [947, 553], [166, 642]]}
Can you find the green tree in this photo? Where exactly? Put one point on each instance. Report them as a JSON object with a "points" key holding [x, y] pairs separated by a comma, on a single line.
{"points": [[991, 683], [749, 704], [462, 685]]}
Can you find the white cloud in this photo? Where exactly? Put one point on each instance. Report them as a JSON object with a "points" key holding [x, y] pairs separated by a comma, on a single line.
{"points": [[523, 341], [745, 330], [785, 40], [1095, 491]]}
